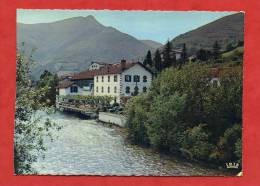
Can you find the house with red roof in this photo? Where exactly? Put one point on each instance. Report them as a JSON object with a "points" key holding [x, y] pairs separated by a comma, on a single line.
{"points": [[124, 79]]}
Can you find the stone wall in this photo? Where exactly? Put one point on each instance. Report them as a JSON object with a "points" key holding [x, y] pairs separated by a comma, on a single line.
{"points": [[112, 118]]}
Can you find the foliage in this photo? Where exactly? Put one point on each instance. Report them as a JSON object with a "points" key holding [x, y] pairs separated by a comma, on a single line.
{"points": [[203, 55], [184, 56], [230, 144], [185, 113], [196, 141], [148, 59], [29, 129], [48, 82], [163, 121], [168, 59], [158, 61], [136, 121], [95, 100], [216, 50]]}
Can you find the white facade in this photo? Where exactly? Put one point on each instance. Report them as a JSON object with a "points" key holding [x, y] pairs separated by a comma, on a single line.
{"points": [[178, 56], [95, 66], [136, 70], [116, 85], [108, 85], [85, 91]]}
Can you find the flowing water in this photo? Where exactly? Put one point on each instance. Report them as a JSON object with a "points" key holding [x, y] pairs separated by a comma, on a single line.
{"points": [[85, 147]]}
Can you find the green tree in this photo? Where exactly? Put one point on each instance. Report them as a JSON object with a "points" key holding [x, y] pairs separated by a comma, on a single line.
{"points": [[229, 47], [184, 57], [48, 82], [216, 50], [163, 121], [188, 115], [158, 61], [29, 130], [148, 59], [167, 55], [196, 141], [203, 55], [136, 122]]}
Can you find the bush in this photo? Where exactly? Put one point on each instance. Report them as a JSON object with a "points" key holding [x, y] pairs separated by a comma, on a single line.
{"points": [[229, 144], [163, 121], [196, 141], [167, 117], [136, 121]]}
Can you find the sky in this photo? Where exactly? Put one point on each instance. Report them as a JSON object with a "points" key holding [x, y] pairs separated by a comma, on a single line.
{"points": [[153, 25]]}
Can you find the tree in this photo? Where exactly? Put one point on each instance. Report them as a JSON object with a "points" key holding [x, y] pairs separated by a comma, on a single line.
{"points": [[183, 55], [187, 114], [229, 47], [216, 50], [148, 59], [167, 55], [29, 131], [48, 82], [203, 55], [158, 61]]}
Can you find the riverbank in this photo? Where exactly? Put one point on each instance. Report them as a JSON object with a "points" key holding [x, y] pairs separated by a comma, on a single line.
{"points": [[220, 171], [112, 122]]}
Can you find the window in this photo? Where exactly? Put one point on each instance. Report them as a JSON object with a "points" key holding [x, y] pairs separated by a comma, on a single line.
{"points": [[97, 79], [115, 78], [96, 89], [102, 78], [115, 90], [127, 78], [108, 89], [108, 78], [144, 89], [144, 78], [136, 78], [74, 89], [102, 89], [127, 90]]}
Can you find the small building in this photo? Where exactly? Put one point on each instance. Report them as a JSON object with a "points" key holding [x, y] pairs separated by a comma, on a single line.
{"points": [[97, 65], [123, 79], [214, 75], [79, 84], [176, 53]]}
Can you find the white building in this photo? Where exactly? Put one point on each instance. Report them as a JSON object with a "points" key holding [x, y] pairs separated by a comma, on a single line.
{"points": [[122, 80], [71, 88], [97, 65]]}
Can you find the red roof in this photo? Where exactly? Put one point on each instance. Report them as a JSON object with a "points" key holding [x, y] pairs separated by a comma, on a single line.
{"points": [[89, 74], [108, 69], [65, 84]]}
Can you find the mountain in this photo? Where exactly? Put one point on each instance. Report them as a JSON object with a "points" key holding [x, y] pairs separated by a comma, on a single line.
{"points": [[229, 29], [151, 43], [71, 44]]}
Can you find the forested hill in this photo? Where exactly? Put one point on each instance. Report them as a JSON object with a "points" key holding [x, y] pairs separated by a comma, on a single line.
{"points": [[229, 29]]}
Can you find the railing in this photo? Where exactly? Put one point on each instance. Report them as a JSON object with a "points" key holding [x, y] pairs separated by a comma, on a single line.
{"points": [[64, 104]]}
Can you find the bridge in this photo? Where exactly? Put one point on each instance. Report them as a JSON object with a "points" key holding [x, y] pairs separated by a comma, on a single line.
{"points": [[76, 107]]}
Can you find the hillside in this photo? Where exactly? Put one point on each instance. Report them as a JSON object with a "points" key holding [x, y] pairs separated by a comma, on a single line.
{"points": [[152, 44], [225, 30], [71, 44]]}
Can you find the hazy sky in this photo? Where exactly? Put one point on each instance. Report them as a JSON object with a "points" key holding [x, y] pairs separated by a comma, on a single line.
{"points": [[154, 25]]}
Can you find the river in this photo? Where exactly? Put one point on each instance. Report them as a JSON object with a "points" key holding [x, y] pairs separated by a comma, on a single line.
{"points": [[85, 147]]}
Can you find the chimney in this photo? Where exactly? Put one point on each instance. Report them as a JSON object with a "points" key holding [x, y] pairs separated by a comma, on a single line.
{"points": [[123, 64]]}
